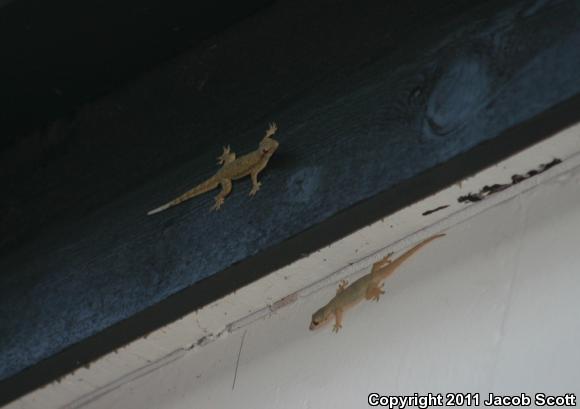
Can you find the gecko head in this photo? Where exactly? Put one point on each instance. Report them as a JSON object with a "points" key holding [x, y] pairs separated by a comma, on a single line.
{"points": [[227, 156], [319, 318], [268, 146]]}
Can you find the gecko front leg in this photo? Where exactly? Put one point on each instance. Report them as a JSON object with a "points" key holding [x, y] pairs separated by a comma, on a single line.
{"points": [[337, 320], [255, 184], [226, 189], [254, 175]]}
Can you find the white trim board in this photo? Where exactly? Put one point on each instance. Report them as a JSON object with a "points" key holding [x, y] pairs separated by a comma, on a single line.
{"points": [[346, 258]]}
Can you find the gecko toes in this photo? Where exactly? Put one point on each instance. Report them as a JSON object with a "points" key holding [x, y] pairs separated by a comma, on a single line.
{"points": [[218, 203], [255, 189]]}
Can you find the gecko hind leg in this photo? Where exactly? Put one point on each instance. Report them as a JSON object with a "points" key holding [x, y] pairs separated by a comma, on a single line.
{"points": [[219, 199], [385, 261], [338, 320], [374, 292], [341, 286]]}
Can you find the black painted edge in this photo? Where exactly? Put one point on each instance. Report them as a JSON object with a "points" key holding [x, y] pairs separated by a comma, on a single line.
{"points": [[334, 228]]}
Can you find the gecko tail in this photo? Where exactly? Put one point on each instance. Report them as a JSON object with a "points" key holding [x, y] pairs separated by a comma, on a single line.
{"points": [[202, 188], [412, 250], [159, 209], [388, 269]]}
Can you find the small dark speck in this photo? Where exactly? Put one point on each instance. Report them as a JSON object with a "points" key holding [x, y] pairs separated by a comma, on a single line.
{"points": [[428, 212], [416, 92]]}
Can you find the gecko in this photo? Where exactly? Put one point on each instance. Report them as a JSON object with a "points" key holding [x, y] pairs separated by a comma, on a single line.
{"points": [[233, 168], [369, 287]]}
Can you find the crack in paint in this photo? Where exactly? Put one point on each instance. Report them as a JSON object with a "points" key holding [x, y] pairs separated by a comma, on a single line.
{"points": [[238, 360]]}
